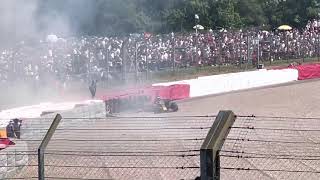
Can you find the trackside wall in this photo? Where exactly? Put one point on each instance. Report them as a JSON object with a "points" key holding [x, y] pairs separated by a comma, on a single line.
{"points": [[216, 84]]}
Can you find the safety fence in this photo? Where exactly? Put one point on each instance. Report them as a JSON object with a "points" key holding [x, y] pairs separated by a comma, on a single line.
{"points": [[21, 160], [226, 146], [116, 148], [271, 148]]}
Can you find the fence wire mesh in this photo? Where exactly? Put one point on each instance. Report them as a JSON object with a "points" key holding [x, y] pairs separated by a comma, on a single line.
{"points": [[272, 148], [21, 160], [90, 146], [95, 147], [127, 148]]}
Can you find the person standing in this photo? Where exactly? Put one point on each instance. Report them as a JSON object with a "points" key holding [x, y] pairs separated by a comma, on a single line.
{"points": [[93, 88]]}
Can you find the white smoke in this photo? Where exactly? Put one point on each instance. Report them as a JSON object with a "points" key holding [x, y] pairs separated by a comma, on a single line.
{"points": [[20, 20], [16, 19]]}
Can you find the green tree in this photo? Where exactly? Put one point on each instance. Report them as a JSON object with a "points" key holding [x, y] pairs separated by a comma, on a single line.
{"points": [[251, 12], [117, 17], [296, 13], [227, 16]]}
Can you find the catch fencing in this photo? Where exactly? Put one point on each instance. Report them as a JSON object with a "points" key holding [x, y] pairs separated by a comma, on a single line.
{"points": [[118, 148], [232, 147], [272, 148], [21, 160]]}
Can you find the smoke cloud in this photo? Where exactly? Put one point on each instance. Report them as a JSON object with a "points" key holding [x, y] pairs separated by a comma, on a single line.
{"points": [[31, 19], [16, 20]]}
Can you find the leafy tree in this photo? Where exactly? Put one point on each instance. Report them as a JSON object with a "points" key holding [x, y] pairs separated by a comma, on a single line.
{"points": [[251, 12], [117, 17], [227, 15]]}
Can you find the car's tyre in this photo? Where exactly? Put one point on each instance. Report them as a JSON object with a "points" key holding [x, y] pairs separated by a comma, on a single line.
{"points": [[174, 107]]}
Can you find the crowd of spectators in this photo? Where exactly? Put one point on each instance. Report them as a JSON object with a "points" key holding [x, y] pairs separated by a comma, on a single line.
{"points": [[109, 57]]}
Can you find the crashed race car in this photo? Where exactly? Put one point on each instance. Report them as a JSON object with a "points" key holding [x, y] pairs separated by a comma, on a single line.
{"points": [[164, 106], [155, 99], [115, 106]]}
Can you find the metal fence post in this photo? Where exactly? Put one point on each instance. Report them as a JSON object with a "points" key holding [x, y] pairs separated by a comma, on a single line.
{"points": [[318, 49], [248, 51], [108, 68], [209, 152], [135, 61], [43, 145]]}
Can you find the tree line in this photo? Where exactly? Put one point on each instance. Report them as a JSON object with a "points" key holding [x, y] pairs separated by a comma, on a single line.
{"points": [[117, 17]]}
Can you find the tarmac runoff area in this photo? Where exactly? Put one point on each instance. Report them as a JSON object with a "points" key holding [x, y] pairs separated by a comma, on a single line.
{"points": [[290, 100]]}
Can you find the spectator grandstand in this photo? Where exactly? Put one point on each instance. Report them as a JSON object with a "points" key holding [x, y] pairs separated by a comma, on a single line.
{"points": [[103, 58]]}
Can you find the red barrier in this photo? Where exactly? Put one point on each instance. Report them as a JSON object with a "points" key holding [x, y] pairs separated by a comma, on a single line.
{"points": [[5, 142], [176, 92], [173, 92], [308, 71]]}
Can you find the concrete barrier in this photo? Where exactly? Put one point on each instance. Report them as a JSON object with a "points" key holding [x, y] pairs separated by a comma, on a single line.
{"points": [[240, 81], [216, 84]]}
